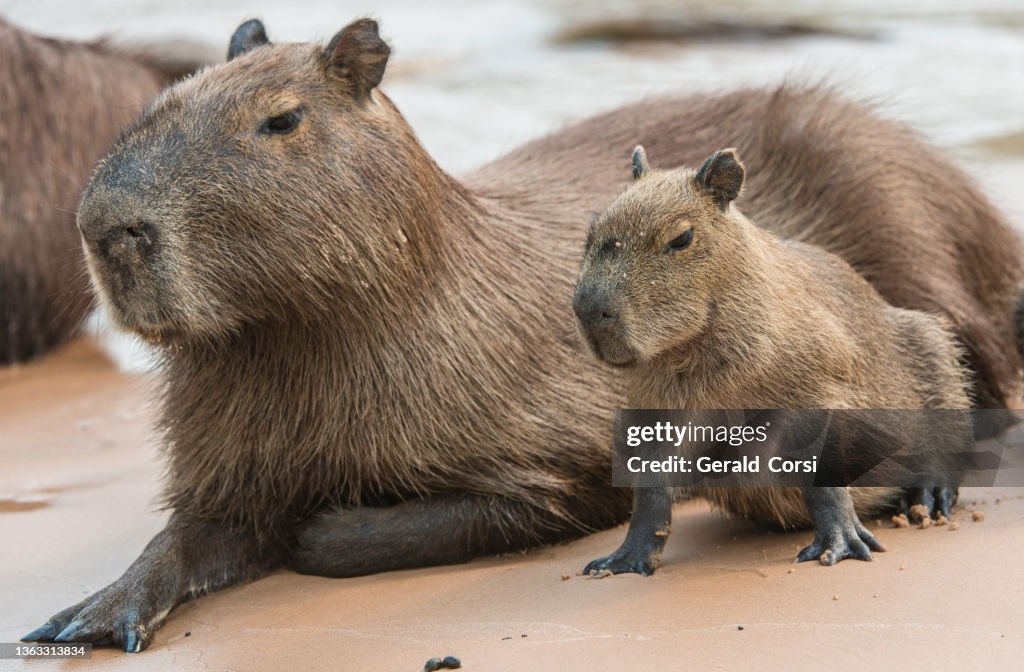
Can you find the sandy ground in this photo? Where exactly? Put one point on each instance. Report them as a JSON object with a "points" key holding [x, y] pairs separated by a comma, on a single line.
{"points": [[81, 470]]}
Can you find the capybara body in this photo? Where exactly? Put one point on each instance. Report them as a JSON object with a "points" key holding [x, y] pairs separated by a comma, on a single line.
{"points": [[704, 310], [70, 101], [371, 365]]}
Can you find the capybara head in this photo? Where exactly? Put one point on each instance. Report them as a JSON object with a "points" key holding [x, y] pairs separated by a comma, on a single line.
{"points": [[269, 187], [656, 260]]}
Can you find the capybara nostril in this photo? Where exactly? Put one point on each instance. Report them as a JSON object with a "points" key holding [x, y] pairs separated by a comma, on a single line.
{"points": [[141, 231], [137, 230]]}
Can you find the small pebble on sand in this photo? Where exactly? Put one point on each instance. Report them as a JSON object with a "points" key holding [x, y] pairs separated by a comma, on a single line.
{"points": [[900, 520], [953, 527], [977, 516]]}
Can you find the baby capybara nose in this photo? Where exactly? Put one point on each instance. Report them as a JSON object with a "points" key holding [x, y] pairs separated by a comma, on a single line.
{"points": [[594, 307]]}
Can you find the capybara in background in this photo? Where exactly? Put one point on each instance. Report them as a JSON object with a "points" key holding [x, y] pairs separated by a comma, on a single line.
{"points": [[701, 309], [370, 365], [63, 103]]}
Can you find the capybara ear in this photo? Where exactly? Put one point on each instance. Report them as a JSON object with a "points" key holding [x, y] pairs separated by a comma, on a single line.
{"points": [[640, 165], [359, 55], [249, 35], [721, 176]]}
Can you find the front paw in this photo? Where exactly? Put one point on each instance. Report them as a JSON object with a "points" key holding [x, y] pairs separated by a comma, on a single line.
{"points": [[621, 562], [111, 616], [839, 542]]}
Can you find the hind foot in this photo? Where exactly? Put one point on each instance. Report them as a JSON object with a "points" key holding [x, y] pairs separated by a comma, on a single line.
{"points": [[838, 533], [840, 542], [917, 503], [623, 562]]}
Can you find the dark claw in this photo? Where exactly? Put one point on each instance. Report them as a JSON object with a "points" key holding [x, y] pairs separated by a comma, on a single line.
{"points": [[69, 633], [80, 631], [945, 500], [926, 499], [44, 633], [133, 642]]}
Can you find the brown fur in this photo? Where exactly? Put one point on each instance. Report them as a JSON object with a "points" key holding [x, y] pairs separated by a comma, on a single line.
{"points": [[344, 324], [742, 319], [437, 312], [63, 104]]}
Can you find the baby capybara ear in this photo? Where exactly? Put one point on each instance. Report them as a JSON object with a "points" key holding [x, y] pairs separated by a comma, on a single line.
{"points": [[249, 35], [640, 165], [721, 177], [358, 55]]}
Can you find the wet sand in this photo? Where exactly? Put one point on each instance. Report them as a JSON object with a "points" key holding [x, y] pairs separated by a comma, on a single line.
{"points": [[81, 472]]}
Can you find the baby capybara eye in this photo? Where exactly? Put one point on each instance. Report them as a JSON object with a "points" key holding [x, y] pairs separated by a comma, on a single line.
{"points": [[283, 123], [681, 242]]}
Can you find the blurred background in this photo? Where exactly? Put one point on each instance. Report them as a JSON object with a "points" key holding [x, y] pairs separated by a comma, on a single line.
{"points": [[475, 79]]}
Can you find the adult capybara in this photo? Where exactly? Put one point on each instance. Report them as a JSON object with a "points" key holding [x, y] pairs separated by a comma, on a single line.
{"points": [[371, 365], [701, 309], [64, 103]]}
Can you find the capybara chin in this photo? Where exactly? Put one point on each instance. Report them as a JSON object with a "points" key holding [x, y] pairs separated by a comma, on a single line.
{"points": [[708, 311], [371, 365], [70, 101]]}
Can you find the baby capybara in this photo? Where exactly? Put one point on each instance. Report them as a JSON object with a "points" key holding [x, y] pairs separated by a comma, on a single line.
{"points": [[701, 309]]}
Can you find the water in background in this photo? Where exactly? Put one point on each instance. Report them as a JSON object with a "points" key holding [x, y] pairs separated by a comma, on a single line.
{"points": [[476, 79]]}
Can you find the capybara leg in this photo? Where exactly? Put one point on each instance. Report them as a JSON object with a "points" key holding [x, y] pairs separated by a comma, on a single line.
{"points": [[916, 503], [441, 530], [838, 533], [649, 527], [187, 558]]}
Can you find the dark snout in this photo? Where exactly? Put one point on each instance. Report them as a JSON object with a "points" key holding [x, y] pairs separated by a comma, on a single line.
{"points": [[116, 229], [114, 236], [594, 307], [599, 313], [115, 218], [123, 241]]}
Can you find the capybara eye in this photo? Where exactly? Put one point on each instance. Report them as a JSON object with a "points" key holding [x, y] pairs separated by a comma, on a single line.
{"points": [[282, 123], [681, 242]]}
